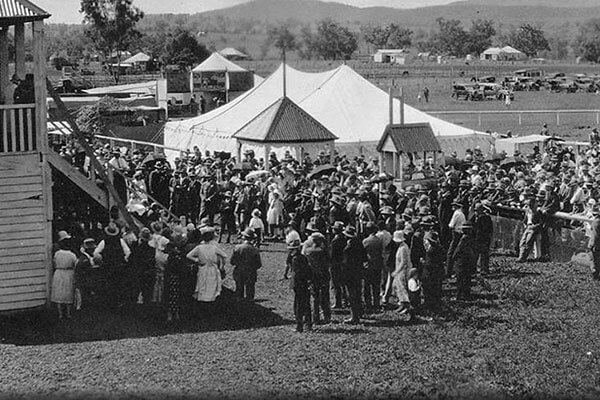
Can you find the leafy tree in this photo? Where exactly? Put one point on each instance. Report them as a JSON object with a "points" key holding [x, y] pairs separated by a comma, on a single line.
{"points": [[387, 37], [529, 40], [331, 41], [588, 40], [111, 26], [480, 36], [376, 35], [184, 50], [282, 38], [450, 38]]}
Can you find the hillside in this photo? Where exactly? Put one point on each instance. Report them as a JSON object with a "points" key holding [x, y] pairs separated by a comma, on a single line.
{"points": [[546, 3], [309, 11]]}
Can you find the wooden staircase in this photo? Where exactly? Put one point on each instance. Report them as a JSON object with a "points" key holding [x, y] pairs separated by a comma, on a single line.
{"points": [[87, 185]]}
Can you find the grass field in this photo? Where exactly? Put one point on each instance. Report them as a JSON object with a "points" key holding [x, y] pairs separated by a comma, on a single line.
{"points": [[531, 333]]}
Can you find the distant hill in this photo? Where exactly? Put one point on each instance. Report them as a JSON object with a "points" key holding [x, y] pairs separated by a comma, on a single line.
{"points": [[545, 3], [310, 11]]}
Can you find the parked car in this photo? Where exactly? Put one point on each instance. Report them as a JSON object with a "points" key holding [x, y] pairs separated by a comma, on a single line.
{"points": [[467, 91]]}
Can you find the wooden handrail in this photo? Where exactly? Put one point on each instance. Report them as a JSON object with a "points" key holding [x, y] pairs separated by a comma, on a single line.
{"points": [[90, 153], [16, 106]]}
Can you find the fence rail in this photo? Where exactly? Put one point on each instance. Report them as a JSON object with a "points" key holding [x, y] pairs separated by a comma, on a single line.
{"points": [[17, 128], [519, 113]]}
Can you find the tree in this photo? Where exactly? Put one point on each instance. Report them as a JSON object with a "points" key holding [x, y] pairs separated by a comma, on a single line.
{"points": [[110, 25], [282, 38], [184, 50], [529, 40], [90, 119], [450, 38], [391, 36], [331, 41], [588, 40], [480, 36]]}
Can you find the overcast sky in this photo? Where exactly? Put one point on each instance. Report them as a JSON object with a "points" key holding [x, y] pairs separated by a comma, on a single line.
{"points": [[67, 11]]}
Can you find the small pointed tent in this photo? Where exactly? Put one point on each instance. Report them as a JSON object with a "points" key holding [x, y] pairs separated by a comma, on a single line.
{"points": [[286, 125], [233, 54], [217, 63]]}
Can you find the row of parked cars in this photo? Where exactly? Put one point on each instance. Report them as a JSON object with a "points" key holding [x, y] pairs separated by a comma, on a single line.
{"points": [[488, 87]]}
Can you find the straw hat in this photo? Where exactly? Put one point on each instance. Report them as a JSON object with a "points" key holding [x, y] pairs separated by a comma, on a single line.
{"points": [[338, 226], [249, 234], [89, 243], [350, 231], [398, 237], [63, 235], [256, 213], [386, 210], [294, 244], [112, 229]]}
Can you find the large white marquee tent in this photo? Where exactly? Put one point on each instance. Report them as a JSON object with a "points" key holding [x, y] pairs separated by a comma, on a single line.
{"points": [[352, 108]]}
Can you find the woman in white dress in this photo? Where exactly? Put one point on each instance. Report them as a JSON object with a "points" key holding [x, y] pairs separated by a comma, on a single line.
{"points": [[159, 242], [400, 274], [275, 214], [211, 262], [63, 280]]}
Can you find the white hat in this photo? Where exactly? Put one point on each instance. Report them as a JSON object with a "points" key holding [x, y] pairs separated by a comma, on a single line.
{"points": [[398, 237]]}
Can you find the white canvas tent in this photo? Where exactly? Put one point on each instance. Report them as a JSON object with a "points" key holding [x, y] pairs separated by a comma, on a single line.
{"points": [[217, 63], [352, 108]]}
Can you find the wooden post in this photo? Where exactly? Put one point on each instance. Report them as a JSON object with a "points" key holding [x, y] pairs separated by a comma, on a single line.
{"points": [[557, 119], [394, 165], [4, 78], [478, 119], [39, 79], [239, 151], [401, 165], [520, 118], [20, 50], [391, 106], [331, 152], [267, 153]]}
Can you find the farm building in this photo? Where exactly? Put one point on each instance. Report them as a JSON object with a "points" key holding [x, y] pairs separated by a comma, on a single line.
{"points": [[349, 106], [233, 54], [506, 53], [391, 56], [138, 61]]}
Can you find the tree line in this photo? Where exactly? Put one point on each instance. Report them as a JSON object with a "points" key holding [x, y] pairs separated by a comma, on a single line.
{"points": [[113, 26]]}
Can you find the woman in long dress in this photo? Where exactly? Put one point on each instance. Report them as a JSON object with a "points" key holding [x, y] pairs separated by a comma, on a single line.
{"points": [[275, 214], [400, 274], [63, 280], [211, 261]]}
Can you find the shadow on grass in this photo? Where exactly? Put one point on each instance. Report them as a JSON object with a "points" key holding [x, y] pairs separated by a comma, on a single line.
{"points": [[515, 273], [136, 321]]}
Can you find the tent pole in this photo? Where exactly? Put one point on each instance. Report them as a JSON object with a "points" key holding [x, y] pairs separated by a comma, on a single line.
{"points": [[284, 77], [401, 106], [391, 106]]}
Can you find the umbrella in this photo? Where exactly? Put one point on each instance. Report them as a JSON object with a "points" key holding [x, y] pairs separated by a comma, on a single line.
{"points": [[256, 174], [510, 162], [383, 177], [153, 157], [322, 170]]}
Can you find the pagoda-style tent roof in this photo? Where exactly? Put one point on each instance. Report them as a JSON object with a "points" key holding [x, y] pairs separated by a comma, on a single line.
{"points": [[13, 11], [217, 63], [231, 52], [284, 122], [410, 138]]}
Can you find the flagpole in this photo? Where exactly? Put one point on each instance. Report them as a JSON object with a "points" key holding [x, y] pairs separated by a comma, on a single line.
{"points": [[284, 77]]}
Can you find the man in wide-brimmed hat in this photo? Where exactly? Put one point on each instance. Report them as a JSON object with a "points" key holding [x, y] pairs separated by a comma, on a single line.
{"points": [[301, 279], [463, 259], [352, 271], [456, 223], [374, 266], [532, 222], [484, 228], [115, 253], [247, 261], [338, 243]]}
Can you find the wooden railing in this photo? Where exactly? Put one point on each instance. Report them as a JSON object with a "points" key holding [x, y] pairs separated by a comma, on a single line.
{"points": [[18, 132]]}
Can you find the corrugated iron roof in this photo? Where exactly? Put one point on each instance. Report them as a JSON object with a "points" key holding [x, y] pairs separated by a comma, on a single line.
{"points": [[411, 138], [284, 122], [21, 9]]}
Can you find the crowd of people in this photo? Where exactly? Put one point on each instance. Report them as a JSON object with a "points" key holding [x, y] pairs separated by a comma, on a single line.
{"points": [[348, 229]]}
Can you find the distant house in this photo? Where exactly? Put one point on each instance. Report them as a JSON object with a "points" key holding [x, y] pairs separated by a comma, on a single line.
{"points": [[139, 61], [506, 53], [233, 54], [393, 56]]}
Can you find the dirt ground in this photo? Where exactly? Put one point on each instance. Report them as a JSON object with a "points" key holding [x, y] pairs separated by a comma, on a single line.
{"points": [[532, 332]]}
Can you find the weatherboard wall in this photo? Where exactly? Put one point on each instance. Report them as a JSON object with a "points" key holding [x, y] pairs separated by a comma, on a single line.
{"points": [[25, 264]]}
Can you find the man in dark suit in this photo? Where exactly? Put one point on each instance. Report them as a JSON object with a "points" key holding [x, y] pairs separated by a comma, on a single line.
{"points": [[300, 282], [482, 223], [533, 223], [352, 271]]}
